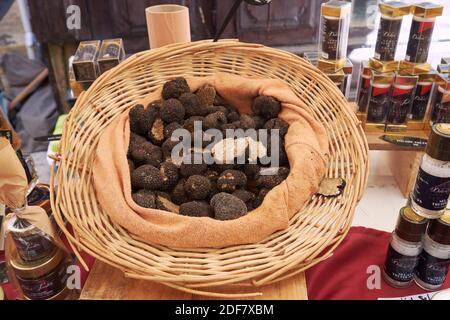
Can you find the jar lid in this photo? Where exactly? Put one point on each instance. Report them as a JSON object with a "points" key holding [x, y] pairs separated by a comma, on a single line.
{"points": [[39, 268], [438, 146], [336, 8], [427, 10], [439, 229], [410, 226]]}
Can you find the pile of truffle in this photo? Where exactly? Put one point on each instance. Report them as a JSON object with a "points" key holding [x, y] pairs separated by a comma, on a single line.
{"points": [[222, 191]]}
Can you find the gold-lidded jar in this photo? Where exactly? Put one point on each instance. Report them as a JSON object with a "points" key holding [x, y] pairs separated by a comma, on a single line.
{"points": [[434, 261], [430, 195], [404, 248]]}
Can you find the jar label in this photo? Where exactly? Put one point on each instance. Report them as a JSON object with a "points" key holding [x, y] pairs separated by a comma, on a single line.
{"points": [[398, 266], [378, 105], [420, 101], [330, 38], [432, 270], [32, 246], [431, 192], [399, 105], [387, 39]]}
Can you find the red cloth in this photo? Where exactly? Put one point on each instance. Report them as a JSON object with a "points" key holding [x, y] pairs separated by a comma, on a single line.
{"points": [[344, 275]]}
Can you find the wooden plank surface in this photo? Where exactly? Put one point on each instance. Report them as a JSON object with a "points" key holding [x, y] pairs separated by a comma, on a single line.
{"points": [[108, 283]]}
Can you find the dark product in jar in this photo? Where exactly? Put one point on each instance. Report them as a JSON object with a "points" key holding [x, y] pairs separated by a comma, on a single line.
{"points": [[378, 103], [421, 100], [43, 279], [364, 87], [387, 38], [404, 248], [32, 244], [441, 107], [422, 31], [401, 99], [431, 191], [434, 261]]}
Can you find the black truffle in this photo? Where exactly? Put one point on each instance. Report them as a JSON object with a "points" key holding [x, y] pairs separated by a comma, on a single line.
{"points": [[178, 195], [206, 95], [214, 120], [190, 122], [228, 207], [271, 181], [259, 122], [266, 107], [156, 132], [214, 109], [251, 170], [187, 170], [233, 116], [172, 111], [170, 128], [282, 155], [135, 141], [141, 119], [145, 198], [175, 88], [131, 165], [147, 153], [247, 122], [197, 187], [221, 167], [260, 197], [246, 196], [191, 104], [167, 148], [196, 209], [146, 177], [277, 123], [169, 174], [219, 100], [230, 180]]}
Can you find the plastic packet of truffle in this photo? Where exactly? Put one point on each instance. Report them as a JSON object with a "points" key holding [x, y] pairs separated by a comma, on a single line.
{"points": [[36, 258]]}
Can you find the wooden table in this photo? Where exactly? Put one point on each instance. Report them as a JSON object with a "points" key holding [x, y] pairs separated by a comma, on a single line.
{"points": [[108, 283]]}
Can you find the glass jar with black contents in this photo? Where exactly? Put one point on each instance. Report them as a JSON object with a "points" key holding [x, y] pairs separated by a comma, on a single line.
{"points": [[422, 95], [400, 102], [378, 106], [365, 76], [422, 31], [404, 248], [440, 112]]}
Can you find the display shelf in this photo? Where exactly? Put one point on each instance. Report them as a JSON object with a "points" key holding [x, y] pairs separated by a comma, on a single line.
{"points": [[108, 283]]}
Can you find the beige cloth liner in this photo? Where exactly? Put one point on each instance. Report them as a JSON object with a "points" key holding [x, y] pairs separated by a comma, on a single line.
{"points": [[306, 147]]}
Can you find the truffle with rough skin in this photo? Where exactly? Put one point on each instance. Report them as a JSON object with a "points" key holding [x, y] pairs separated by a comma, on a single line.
{"points": [[169, 174], [135, 140], [218, 100], [251, 170], [221, 167], [282, 155], [156, 132], [147, 153], [178, 195], [170, 128], [175, 88], [190, 122], [233, 116], [259, 122], [214, 109], [167, 148], [266, 107], [228, 207], [246, 196], [260, 197], [188, 170], [272, 180], [230, 180], [172, 111], [141, 119], [192, 106], [277, 123], [146, 177], [247, 122], [145, 198], [197, 187], [196, 209], [206, 95]]}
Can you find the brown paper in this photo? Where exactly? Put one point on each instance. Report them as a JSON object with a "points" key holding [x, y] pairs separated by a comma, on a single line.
{"points": [[13, 191], [306, 147]]}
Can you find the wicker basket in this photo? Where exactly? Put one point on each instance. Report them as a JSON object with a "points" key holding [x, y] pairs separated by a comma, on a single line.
{"points": [[314, 232]]}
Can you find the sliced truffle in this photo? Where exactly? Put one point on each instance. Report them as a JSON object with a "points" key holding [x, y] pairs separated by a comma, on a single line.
{"points": [[331, 187], [246, 196], [146, 177], [172, 111], [230, 180], [260, 197], [156, 132], [214, 120], [196, 209], [147, 153], [266, 107], [206, 95], [277, 123], [178, 195], [175, 88], [169, 174], [197, 187], [170, 128], [269, 180], [190, 122], [192, 105], [233, 116], [228, 207], [145, 198], [163, 202], [247, 122]]}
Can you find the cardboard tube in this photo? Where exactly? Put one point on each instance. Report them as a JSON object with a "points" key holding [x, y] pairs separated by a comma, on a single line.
{"points": [[167, 24]]}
